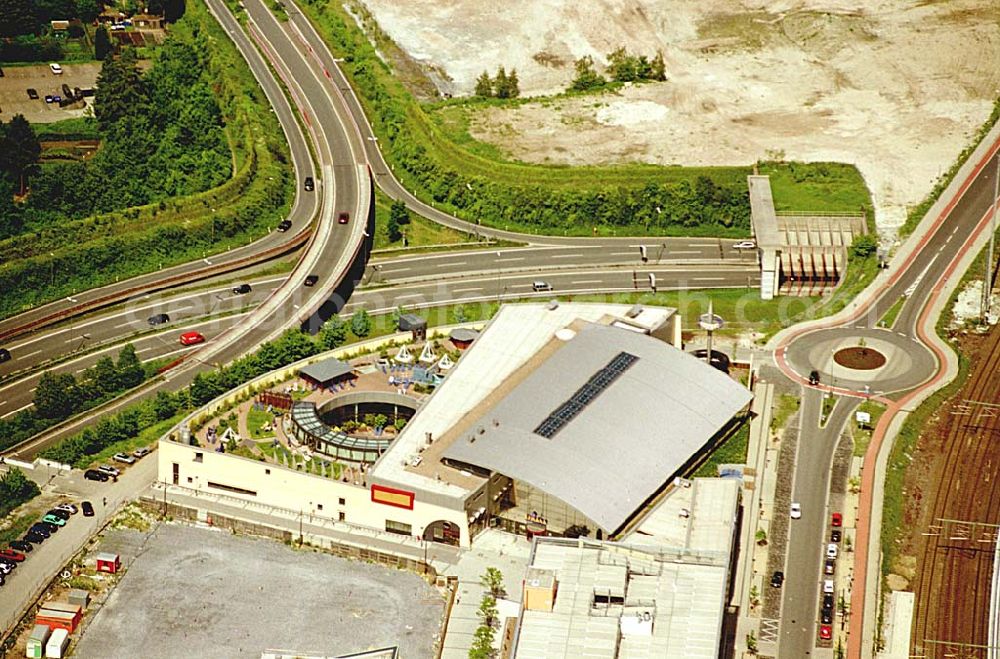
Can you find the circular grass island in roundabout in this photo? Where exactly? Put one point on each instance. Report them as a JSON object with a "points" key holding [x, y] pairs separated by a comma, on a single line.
{"points": [[859, 358]]}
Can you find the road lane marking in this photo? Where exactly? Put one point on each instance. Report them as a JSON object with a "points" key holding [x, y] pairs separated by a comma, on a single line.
{"points": [[588, 281], [466, 290], [30, 354], [4, 416], [448, 265], [520, 258]]}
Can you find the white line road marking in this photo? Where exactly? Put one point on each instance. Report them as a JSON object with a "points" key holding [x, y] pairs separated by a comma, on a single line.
{"points": [[4, 416], [520, 258], [403, 297], [448, 265], [466, 290], [384, 269], [588, 281], [686, 251], [566, 256], [708, 279], [30, 354]]}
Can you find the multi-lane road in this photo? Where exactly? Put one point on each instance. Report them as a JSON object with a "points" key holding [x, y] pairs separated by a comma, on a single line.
{"points": [[919, 277]]}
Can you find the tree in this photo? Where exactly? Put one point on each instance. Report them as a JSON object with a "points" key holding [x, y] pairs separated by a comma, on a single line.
{"points": [[658, 69], [500, 85], [864, 246], [87, 10], [102, 43], [16, 484], [361, 323], [492, 581], [120, 91], [165, 405], [513, 88], [622, 66], [56, 395], [17, 17], [392, 228], [482, 643], [131, 372], [484, 86], [399, 211], [21, 150], [104, 377], [173, 10], [586, 77], [333, 333]]}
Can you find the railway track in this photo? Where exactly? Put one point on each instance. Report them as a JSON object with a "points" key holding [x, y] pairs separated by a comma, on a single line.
{"points": [[953, 580]]}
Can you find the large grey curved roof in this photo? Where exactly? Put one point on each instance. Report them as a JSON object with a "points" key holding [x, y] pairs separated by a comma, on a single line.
{"points": [[600, 431]]}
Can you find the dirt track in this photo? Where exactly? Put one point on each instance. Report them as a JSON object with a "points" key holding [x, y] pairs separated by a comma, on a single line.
{"points": [[954, 567]]}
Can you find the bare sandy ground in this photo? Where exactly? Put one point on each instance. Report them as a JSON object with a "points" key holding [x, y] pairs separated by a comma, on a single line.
{"points": [[896, 87]]}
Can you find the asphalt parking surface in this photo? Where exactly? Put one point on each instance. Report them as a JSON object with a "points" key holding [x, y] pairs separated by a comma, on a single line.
{"points": [[17, 79], [195, 592]]}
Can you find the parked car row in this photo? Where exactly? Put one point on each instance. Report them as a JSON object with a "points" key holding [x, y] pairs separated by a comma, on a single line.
{"points": [[107, 472], [50, 523], [829, 569]]}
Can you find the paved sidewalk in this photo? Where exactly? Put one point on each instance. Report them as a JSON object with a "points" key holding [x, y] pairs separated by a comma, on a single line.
{"points": [[47, 560]]}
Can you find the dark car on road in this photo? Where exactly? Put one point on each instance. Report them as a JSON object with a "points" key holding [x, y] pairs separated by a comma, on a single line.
{"points": [[344, 217], [21, 545], [777, 578], [835, 536], [311, 280], [826, 616], [814, 377], [61, 514], [94, 475], [33, 94], [88, 509], [159, 319], [52, 528], [285, 225], [242, 289], [4, 355], [309, 185], [828, 601]]}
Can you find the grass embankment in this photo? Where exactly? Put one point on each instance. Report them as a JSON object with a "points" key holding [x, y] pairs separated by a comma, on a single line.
{"points": [[894, 497], [862, 435], [732, 450], [786, 406], [81, 254], [419, 232], [432, 153]]}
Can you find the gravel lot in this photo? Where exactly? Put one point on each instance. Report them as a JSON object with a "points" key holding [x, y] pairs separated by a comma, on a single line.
{"points": [[194, 592]]}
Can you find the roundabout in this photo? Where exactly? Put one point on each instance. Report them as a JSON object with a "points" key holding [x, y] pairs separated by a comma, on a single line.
{"points": [[854, 361]]}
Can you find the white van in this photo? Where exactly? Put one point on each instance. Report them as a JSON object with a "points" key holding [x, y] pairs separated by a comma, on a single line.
{"points": [[539, 286]]}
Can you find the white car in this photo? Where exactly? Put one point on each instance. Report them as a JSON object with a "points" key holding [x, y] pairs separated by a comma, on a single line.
{"points": [[56, 69], [109, 470], [796, 511], [828, 586], [123, 457], [831, 551], [745, 244], [68, 507]]}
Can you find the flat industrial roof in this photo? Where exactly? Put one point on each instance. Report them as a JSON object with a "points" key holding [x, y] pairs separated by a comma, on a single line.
{"points": [[515, 334], [603, 422], [679, 575]]}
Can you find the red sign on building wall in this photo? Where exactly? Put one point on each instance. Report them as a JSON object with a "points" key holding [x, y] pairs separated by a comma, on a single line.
{"points": [[392, 497]]}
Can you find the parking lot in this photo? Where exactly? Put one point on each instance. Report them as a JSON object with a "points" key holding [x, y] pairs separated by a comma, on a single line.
{"points": [[18, 79], [195, 592]]}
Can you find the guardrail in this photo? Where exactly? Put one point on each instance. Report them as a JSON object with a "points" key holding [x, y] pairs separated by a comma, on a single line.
{"points": [[993, 640], [297, 241]]}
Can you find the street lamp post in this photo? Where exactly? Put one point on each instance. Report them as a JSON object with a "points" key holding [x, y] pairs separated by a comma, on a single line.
{"points": [[52, 269], [498, 278]]}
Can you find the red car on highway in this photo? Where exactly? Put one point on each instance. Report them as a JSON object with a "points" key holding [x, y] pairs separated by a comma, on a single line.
{"points": [[191, 338], [837, 519], [344, 217]]}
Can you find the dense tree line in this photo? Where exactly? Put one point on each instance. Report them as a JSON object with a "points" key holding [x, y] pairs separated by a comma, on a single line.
{"points": [[623, 66], [162, 137], [61, 395], [290, 347]]}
